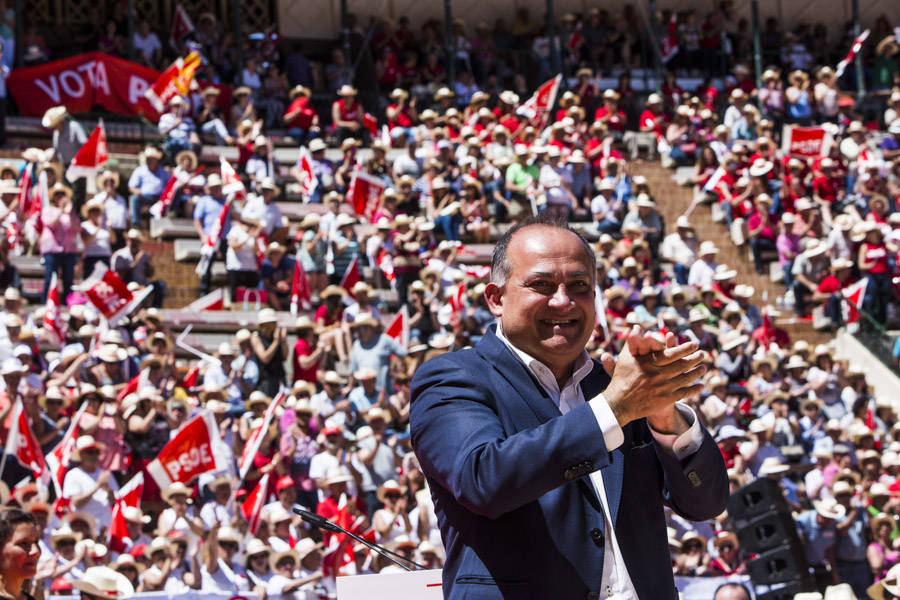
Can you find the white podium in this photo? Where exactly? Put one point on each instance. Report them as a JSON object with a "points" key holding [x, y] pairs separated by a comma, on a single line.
{"points": [[421, 585]]}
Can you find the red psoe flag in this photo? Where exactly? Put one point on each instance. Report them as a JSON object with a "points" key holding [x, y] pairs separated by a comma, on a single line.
{"points": [[93, 154], [193, 451]]}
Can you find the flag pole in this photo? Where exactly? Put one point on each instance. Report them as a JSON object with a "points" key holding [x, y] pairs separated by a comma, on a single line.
{"points": [[857, 63]]}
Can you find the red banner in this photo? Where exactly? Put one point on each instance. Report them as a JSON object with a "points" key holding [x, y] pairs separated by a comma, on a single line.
{"points": [[23, 446], [806, 142], [81, 82], [254, 502], [189, 453], [365, 193], [109, 294]]}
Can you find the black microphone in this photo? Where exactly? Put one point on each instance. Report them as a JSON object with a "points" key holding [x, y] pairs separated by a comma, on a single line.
{"points": [[323, 523], [316, 520]]}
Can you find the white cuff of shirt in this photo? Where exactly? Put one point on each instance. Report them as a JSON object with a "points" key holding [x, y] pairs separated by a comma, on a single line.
{"points": [[613, 435], [682, 446]]}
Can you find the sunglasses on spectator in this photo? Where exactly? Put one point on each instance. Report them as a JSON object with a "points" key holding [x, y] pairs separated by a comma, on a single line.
{"points": [[726, 547], [229, 545]]}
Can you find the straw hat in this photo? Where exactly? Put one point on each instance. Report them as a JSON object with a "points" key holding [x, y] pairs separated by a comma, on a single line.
{"points": [[347, 90], [829, 508], [257, 397], [53, 117], [277, 557], [389, 486], [175, 489], [63, 533], [773, 466], [106, 176], [103, 582], [86, 442], [266, 315]]}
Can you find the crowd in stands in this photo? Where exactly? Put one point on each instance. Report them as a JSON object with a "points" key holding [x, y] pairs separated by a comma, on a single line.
{"points": [[459, 164]]}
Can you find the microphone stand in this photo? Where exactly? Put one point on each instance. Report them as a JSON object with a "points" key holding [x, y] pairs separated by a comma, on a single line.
{"points": [[322, 523]]}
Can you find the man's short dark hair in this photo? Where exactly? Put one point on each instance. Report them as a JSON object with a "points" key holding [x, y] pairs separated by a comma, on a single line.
{"points": [[500, 267], [11, 517], [732, 586]]}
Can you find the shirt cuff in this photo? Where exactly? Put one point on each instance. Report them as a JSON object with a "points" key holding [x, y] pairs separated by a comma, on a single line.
{"points": [[684, 445], [613, 436]]}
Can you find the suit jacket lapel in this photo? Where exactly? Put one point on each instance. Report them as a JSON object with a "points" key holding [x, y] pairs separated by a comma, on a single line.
{"points": [[613, 475], [515, 373]]}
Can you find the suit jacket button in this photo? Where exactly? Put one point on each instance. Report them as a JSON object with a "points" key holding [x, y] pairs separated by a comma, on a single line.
{"points": [[694, 478], [589, 466], [597, 536], [569, 474]]}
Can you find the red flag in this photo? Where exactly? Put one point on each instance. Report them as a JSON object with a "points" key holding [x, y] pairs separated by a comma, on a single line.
{"points": [[190, 379], [364, 193], [256, 436], [542, 100], [211, 301], [191, 452], [254, 502], [109, 294], [177, 80], [371, 123], [231, 183], [54, 326], [351, 277], [61, 456], [300, 293], [23, 446], [26, 189], [399, 327], [161, 207], [130, 388], [458, 303], [308, 180], [386, 264], [854, 49], [212, 241], [92, 155], [181, 27], [129, 495], [668, 45], [854, 296]]}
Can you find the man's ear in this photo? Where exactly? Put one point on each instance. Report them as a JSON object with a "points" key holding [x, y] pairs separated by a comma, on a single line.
{"points": [[493, 295]]}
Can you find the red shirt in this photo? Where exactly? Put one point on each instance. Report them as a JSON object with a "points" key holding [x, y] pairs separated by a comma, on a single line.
{"points": [[616, 120], [649, 118], [831, 284], [402, 118], [307, 113], [328, 508], [774, 335], [767, 232], [877, 255], [826, 187], [322, 313], [302, 348]]}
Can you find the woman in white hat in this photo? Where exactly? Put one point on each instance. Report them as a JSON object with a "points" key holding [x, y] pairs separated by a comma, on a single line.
{"points": [[115, 209], [95, 236], [693, 559], [291, 578], [101, 420], [90, 488], [347, 115], [240, 257], [270, 349], [873, 263], [345, 245], [180, 516], [392, 521], [219, 571], [58, 242]]}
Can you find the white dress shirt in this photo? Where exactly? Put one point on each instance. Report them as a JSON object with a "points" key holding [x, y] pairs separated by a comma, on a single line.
{"points": [[616, 583]]}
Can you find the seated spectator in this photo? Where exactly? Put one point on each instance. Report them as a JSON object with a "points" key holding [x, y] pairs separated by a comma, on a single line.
{"points": [[133, 265], [301, 118], [146, 183], [276, 275], [211, 119], [177, 127]]}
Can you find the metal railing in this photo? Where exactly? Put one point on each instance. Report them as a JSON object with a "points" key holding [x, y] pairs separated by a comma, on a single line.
{"points": [[873, 334]]}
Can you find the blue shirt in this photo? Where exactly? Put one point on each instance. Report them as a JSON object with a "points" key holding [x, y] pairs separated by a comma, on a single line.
{"points": [[359, 399], [375, 355], [851, 545], [817, 538], [207, 212], [149, 183]]}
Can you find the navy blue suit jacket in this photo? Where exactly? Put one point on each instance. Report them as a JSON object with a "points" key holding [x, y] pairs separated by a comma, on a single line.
{"points": [[508, 473]]}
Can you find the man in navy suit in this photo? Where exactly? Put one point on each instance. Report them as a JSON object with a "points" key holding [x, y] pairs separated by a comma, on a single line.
{"points": [[548, 476]]}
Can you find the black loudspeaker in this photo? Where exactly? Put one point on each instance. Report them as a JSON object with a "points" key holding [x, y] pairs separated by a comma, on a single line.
{"points": [[762, 496], [785, 592], [781, 565], [767, 531]]}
